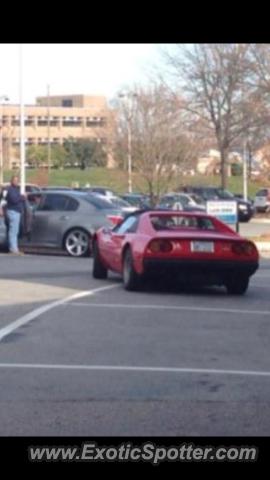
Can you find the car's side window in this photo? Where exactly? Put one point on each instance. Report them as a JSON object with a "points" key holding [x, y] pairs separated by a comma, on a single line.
{"points": [[71, 204], [128, 226], [34, 199], [53, 203]]}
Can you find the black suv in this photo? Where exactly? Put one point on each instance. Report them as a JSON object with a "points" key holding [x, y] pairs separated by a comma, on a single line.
{"points": [[245, 208]]}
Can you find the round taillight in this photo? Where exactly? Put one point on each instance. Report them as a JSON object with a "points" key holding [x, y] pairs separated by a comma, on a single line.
{"points": [[160, 246]]}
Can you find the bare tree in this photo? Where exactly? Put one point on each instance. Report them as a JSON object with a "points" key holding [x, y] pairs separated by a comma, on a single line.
{"points": [[161, 144], [220, 87]]}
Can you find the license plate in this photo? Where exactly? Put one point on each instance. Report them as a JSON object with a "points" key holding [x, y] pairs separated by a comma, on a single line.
{"points": [[207, 247]]}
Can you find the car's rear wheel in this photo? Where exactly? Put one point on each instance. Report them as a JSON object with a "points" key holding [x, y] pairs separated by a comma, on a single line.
{"points": [[99, 271], [76, 242], [237, 286], [131, 279]]}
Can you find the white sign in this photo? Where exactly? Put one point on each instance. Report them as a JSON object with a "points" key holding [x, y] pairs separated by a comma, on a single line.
{"points": [[224, 210]]}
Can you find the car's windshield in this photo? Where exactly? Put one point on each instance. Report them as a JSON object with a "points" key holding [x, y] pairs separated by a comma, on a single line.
{"points": [[171, 199], [178, 222], [262, 193], [224, 194]]}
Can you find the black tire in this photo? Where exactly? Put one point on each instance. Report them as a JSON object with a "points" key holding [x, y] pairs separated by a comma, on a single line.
{"points": [[99, 271], [237, 286], [131, 279]]}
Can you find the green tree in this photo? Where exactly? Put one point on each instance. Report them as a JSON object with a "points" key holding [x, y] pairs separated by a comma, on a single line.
{"points": [[36, 155], [58, 156], [85, 152]]}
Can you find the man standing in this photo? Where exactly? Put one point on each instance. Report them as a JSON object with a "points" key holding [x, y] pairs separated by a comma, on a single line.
{"points": [[14, 210]]}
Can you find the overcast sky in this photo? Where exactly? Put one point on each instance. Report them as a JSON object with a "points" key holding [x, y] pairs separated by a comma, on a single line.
{"points": [[97, 69]]}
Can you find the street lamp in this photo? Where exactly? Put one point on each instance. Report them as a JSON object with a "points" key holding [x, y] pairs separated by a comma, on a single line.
{"points": [[22, 123], [3, 98], [128, 98], [48, 129]]}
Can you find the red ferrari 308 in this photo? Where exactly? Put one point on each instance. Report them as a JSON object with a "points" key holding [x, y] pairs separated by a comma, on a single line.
{"points": [[193, 248]]}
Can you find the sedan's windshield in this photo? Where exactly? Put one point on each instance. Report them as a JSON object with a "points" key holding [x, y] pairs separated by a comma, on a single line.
{"points": [[224, 194], [171, 199]]}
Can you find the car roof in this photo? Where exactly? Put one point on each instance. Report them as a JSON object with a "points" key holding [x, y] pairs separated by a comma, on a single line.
{"points": [[65, 192]]}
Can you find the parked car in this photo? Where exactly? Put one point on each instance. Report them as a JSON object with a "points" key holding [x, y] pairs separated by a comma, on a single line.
{"points": [[66, 220], [245, 208], [120, 203], [190, 247], [180, 201], [262, 200], [106, 192], [137, 200]]}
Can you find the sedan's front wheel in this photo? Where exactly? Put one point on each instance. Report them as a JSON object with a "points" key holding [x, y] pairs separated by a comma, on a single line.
{"points": [[76, 242]]}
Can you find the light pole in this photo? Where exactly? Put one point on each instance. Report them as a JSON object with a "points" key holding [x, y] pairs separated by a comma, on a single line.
{"points": [[128, 100], [48, 129], [22, 124], [3, 98]]}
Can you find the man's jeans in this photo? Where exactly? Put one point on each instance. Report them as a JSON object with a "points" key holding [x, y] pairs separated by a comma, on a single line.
{"points": [[13, 229]]}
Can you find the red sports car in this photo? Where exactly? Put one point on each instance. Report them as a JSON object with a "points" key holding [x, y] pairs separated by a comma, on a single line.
{"points": [[193, 248]]}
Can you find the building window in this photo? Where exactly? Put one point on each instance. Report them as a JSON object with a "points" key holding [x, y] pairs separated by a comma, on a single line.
{"points": [[71, 122], [29, 120], [67, 102], [92, 122], [15, 122]]}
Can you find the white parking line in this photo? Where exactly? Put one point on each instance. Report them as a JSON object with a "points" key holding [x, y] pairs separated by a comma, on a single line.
{"points": [[171, 307], [126, 368], [45, 308]]}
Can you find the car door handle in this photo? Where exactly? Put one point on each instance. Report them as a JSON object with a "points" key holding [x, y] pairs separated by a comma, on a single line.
{"points": [[64, 217]]}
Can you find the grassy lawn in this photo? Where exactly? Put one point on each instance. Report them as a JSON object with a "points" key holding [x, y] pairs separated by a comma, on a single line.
{"points": [[117, 180]]}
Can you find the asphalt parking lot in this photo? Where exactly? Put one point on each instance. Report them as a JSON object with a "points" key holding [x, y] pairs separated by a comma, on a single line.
{"points": [[84, 357]]}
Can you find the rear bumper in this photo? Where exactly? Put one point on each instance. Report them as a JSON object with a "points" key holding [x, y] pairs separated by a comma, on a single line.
{"points": [[205, 271]]}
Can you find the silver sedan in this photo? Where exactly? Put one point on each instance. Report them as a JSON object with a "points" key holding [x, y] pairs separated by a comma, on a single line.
{"points": [[65, 220]]}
